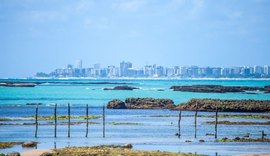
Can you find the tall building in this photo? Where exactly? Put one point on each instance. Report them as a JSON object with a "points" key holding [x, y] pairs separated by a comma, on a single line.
{"points": [[266, 70], [124, 68], [79, 64], [258, 70]]}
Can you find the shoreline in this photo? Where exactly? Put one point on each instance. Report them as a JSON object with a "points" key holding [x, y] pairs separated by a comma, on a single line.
{"points": [[129, 78]]}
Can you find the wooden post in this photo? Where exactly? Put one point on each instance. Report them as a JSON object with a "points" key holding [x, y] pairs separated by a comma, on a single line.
{"points": [[103, 121], [36, 121], [179, 122], [86, 135], [216, 122], [55, 120], [263, 134], [69, 120], [196, 113]]}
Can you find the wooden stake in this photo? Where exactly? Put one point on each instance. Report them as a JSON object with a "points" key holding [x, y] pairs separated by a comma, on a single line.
{"points": [[55, 120], [216, 122], [36, 121], [103, 121], [179, 123], [86, 135], [69, 120], [196, 113]]}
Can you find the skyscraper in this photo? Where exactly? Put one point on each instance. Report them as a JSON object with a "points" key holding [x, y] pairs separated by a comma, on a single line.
{"points": [[124, 68], [79, 64], [266, 70]]}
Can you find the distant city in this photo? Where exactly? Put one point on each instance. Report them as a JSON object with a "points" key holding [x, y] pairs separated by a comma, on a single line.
{"points": [[126, 70]]}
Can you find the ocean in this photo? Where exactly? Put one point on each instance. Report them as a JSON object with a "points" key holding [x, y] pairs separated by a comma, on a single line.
{"points": [[144, 129]]}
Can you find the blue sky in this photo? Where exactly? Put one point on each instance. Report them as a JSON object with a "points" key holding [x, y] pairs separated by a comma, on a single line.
{"points": [[41, 35]]}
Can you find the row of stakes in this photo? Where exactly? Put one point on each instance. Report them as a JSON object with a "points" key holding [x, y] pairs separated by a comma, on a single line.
{"points": [[103, 119], [55, 121]]}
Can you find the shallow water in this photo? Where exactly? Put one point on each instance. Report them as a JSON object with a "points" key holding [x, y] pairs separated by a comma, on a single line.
{"points": [[149, 133]]}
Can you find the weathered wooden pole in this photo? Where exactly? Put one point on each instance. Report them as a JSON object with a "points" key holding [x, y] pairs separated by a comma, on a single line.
{"points": [[103, 121], [69, 120], [179, 123], [36, 121], [196, 113], [216, 122], [86, 135], [55, 120]]}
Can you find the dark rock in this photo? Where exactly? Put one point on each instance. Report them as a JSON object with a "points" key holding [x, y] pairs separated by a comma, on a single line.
{"points": [[33, 104], [149, 103], [127, 146], [141, 103], [215, 88], [224, 139], [116, 104], [187, 141], [237, 139], [121, 88], [29, 144], [209, 134], [246, 135], [226, 105], [17, 84], [13, 154], [160, 90], [47, 154], [201, 141]]}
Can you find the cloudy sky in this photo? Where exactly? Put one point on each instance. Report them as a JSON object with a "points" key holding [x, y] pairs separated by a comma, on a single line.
{"points": [[41, 35]]}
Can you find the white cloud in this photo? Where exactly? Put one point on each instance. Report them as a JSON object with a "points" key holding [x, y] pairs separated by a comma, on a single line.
{"points": [[128, 5]]}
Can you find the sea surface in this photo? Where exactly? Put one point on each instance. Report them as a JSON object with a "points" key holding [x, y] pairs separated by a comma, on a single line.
{"points": [[144, 129]]}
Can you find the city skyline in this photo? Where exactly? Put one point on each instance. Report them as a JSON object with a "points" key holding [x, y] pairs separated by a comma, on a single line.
{"points": [[44, 35], [126, 69]]}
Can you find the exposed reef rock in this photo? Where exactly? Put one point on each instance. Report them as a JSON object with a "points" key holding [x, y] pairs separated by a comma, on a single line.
{"points": [[149, 103], [19, 84], [141, 103], [219, 88], [116, 104], [121, 88], [226, 105]]}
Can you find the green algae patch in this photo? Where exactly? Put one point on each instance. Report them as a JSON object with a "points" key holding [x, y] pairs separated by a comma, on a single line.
{"points": [[238, 123], [238, 139], [125, 123], [4, 145], [5, 119], [246, 116], [111, 150], [63, 117]]}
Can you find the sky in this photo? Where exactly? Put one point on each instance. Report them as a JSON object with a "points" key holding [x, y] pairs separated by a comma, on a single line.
{"points": [[42, 35]]}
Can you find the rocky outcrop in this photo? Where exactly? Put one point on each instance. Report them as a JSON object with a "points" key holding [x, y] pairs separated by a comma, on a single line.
{"points": [[29, 144], [116, 104], [121, 88], [218, 88], [149, 103], [13, 154], [141, 103], [19, 84], [226, 105]]}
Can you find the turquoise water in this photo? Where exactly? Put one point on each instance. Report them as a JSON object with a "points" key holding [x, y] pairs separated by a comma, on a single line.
{"points": [[94, 95], [149, 133]]}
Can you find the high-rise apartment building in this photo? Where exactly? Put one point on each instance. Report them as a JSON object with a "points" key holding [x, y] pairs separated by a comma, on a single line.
{"points": [[124, 68], [79, 64]]}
